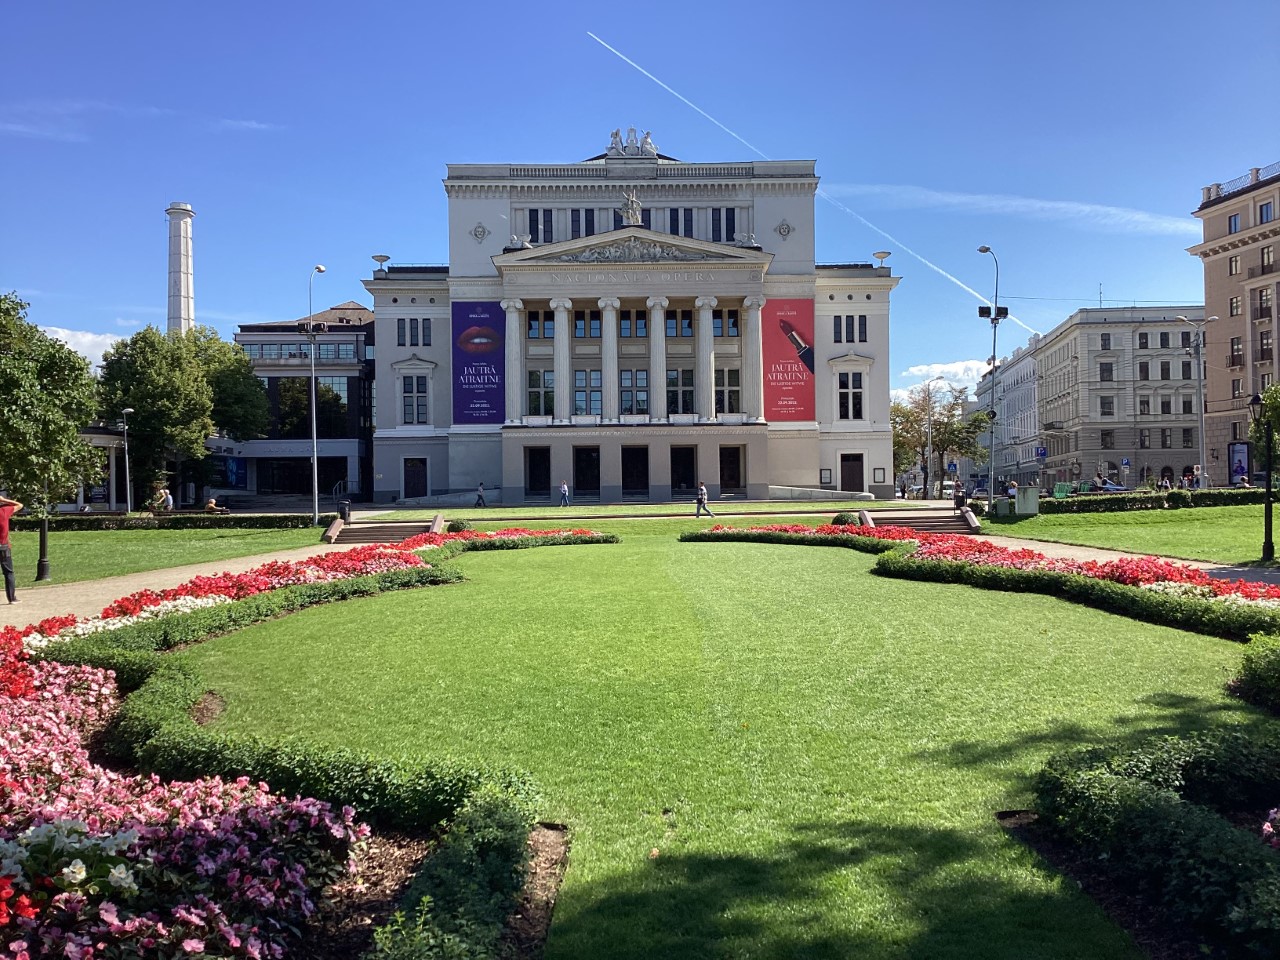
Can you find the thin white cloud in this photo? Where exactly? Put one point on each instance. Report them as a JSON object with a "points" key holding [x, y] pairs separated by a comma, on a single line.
{"points": [[88, 345], [963, 374], [124, 322], [41, 131], [1100, 216], [226, 124], [71, 120]]}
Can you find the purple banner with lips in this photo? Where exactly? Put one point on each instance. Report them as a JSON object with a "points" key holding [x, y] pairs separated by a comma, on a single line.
{"points": [[479, 392]]}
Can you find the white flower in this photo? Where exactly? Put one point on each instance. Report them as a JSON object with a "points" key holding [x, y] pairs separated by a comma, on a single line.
{"points": [[75, 873], [121, 877]]}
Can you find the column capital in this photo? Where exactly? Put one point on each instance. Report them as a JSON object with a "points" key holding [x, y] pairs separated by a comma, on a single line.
{"points": [[608, 303], [512, 304], [753, 302], [659, 303], [560, 303], [706, 303]]}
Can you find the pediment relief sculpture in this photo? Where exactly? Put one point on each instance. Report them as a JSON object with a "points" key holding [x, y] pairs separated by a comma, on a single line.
{"points": [[632, 250]]}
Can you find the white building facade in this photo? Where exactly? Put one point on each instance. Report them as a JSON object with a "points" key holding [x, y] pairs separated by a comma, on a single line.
{"points": [[631, 325]]}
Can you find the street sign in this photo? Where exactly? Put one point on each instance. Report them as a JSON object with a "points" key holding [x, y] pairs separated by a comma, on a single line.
{"points": [[1124, 462], [1042, 453], [951, 467]]}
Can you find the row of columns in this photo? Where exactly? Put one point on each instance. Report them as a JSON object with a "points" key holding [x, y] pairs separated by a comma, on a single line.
{"points": [[752, 359]]}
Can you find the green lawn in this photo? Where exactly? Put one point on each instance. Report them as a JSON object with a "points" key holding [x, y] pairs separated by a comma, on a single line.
{"points": [[1217, 534], [762, 751], [829, 508], [91, 555]]}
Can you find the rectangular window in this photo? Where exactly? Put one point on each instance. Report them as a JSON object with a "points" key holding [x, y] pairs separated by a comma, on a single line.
{"points": [[1144, 406], [1233, 223], [1235, 429], [413, 331], [1186, 369], [336, 384], [586, 324], [1106, 341], [541, 393], [541, 324], [575, 224], [1188, 405], [1108, 439], [634, 391], [1233, 265], [646, 218], [1166, 405], [1185, 339], [1107, 406], [849, 396], [724, 323], [1142, 341], [1186, 438], [1164, 340], [1266, 212], [679, 323], [730, 224], [400, 333], [1106, 372], [716, 234], [1166, 438], [1268, 258], [862, 328], [415, 407], [1144, 370], [587, 395], [1237, 389], [1166, 370], [1264, 304], [688, 221], [837, 329], [680, 391], [271, 351], [1267, 379], [589, 226], [327, 351], [1144, 438], [728, 390], [1233, 307], [673, 221], [1237, 352], [546, 226]]}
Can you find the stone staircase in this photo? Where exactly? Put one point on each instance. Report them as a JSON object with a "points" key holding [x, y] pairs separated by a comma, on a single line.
{"points": [[374, 532], [926, 520]]}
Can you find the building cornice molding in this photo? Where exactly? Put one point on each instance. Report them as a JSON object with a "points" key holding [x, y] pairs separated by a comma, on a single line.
{"points": [[1235, 241]]}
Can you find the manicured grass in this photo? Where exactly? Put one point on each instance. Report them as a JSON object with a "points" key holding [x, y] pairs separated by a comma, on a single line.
{"points": [[91, 555], [1216, 534], [762, 751], [761, 507]]}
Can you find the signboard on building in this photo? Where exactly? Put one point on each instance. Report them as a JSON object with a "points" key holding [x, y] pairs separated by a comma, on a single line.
{"points": [[229, 473], [787, 341], [478, 362]]}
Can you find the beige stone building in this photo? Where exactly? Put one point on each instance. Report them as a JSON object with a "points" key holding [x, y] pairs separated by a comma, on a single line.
{"points": [[1241, 233]]}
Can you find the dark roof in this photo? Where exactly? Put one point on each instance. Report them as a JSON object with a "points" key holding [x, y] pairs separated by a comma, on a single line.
{"points": [[349, 312]]}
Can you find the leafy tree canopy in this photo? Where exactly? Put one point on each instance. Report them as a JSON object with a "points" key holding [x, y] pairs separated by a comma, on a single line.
{"points": [[49, 395], [240, 407]]}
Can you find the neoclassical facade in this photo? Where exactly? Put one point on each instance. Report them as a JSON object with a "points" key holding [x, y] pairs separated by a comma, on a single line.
{"points": [[631, 325]]}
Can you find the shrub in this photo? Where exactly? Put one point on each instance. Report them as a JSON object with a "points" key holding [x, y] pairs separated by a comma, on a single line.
{"points": [[1259, 677], [458, 526], [173, 521], [844, 520], [1177, 499]]}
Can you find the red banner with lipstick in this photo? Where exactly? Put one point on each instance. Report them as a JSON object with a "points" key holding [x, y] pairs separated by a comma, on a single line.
{"points": [[479, 373], [787, 340]]}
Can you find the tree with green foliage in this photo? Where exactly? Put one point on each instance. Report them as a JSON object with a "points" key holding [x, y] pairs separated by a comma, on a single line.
{"points": [[240, 408], [161, 378], [49, 396], [952, 435]]}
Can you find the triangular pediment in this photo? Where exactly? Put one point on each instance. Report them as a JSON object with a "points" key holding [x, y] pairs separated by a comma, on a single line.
{"points": [[851, 359], [632, 245]]}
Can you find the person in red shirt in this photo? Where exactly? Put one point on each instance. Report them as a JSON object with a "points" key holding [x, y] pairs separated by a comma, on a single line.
{"points": [[7, 509]]}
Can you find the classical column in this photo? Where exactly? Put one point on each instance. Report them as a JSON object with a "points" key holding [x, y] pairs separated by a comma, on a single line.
{"points": [[657, 358], [562, 366], [705, 362], [515, 355], [753, 362], [609, 356]]}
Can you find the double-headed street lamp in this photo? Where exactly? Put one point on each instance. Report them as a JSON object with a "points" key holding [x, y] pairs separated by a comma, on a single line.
{"points": [[995, 313], [310, 330], [1268, 544], [128, 486], [1198, 353]]}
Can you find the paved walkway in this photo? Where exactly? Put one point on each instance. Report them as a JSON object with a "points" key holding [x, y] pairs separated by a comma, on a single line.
{"points": [[87, 598]]}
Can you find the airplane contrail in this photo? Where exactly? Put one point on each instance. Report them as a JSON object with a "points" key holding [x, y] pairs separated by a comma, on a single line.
{"points": [[822, 193]]}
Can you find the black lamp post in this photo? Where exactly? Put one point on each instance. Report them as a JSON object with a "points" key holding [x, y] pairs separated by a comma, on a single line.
{"points": [[995, 313], [1268, 544], [42, 564]]}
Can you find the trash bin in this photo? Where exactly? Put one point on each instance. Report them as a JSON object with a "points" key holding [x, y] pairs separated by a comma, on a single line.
{"points": [[344, 511]]}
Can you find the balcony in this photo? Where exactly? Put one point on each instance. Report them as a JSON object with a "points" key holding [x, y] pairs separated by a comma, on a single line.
{"points": [[1264, 353], [1262, 271], [1235, 359], [1262, 313]]}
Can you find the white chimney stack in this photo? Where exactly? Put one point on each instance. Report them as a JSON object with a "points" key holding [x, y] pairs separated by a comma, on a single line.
{"points": [[182, 295]]}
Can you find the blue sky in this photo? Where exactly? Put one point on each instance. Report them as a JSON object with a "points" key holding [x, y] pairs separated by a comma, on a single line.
{"points": [[1071, 138]]}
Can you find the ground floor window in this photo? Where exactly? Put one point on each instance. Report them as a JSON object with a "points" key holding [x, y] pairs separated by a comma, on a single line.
{"points": [[1186, 438], [680, 390], [728, 390], [587, 393], [849, 394], [542, 393], [416, 408], [635, 391]]}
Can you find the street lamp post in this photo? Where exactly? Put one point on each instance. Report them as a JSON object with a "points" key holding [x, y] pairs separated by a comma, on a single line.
{"points": [[128, 486], [928, 443], [995, 313], [1268, 544], [311, 329], [1198, 347]]}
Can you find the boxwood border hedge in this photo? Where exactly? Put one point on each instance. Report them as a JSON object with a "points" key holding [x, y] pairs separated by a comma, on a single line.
{"points": [[66, 522]]}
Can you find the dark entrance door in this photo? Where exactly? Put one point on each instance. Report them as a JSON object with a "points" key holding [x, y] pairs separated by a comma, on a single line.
{"points": [[730, 468], [415, 476], [635, 470], [684, 470], [537, 471], [586, 471], [851, 472]]}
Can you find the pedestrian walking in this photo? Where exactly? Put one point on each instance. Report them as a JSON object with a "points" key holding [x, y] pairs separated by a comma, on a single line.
{"points": [[701, 500], [7, 509], [564, 493], [480, 496]]}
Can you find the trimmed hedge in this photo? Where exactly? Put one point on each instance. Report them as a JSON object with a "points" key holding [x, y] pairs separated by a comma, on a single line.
{"points": [[1154, 500], [1259, 678], [525, 543], [1148, 813], [172, 521], [848, 540]]}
